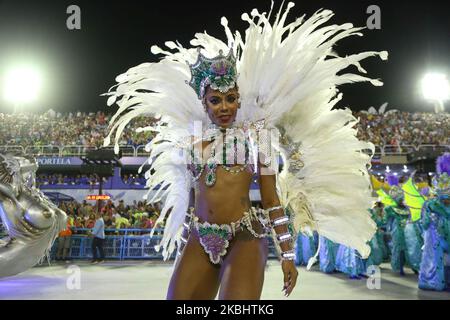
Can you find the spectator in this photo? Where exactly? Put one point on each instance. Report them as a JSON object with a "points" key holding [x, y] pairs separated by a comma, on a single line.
{"points": [[91, 221], [64, 241], [79, 223], [146, 223], [108, 222], [98, 233], [122, 223]]}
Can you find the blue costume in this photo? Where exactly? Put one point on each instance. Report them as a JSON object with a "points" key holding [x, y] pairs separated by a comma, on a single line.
{"points": [[435, 222], [414, 243], [298, 250], [305, 248], [327, 255], [406, 239], [377, 216], [397, 218], [377, 245], [435, 217], [349, 262]]}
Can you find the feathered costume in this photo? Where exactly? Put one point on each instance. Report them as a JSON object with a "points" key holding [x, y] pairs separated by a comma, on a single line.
{"points": [[287, 77], [436, 225], [405, 235]]}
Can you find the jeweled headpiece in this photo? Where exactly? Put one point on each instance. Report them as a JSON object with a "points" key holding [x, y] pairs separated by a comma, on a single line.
{"points": [[396, 193], [219, 72], [442, 182]]}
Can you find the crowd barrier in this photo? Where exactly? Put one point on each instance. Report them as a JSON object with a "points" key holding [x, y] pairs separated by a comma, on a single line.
{"points": [[122, 244], [139, 151]]}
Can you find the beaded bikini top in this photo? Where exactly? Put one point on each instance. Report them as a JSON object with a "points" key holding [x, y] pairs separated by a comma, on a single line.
{"points": [[231, 150]]}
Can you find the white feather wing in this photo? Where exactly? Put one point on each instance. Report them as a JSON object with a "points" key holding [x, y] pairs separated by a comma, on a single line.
{"points": [[288, 76]]}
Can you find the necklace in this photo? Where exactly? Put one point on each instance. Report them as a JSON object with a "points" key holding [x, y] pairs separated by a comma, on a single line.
{"points": [[212, 162]]}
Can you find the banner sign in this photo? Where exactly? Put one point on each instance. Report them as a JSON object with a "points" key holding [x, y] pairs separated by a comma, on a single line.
{"points": [[76, 161], [98, 197], [59, 161]]}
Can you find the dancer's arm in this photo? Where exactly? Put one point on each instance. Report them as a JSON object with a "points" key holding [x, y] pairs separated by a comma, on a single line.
{"points": [[269, 199]]}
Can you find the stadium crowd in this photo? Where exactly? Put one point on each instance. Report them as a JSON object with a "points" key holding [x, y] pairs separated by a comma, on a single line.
{"points": [[57, 129], [390, 128], [58, 179], [116, 216], [404, 128]]}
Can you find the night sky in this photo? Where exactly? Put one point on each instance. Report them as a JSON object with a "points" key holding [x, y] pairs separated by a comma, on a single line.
{"points": [[79, 65]]}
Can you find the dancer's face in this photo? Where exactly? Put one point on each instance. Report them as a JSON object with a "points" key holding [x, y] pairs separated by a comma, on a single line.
{"points": [[221, 107]]}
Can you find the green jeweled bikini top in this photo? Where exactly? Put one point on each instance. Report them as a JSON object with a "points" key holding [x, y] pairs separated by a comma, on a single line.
{"points": [[228, 152], [238, 145]]}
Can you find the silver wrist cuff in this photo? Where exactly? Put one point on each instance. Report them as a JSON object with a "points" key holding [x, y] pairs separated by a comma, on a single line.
{"points": [[288, 255], [284, 237]]}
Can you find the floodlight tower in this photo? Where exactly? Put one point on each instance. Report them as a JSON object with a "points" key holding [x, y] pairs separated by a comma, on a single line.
{"points": [[22, 85], [435, 87]]}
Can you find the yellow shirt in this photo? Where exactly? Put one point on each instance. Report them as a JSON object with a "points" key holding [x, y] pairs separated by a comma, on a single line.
{"points": [[122, 221]]}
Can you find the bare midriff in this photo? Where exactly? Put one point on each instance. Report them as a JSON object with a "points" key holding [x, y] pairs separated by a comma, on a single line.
{"points": [[225, 201]]}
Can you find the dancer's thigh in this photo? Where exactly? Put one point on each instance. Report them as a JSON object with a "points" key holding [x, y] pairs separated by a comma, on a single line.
{"points": [[242, 273], [194, 276]]}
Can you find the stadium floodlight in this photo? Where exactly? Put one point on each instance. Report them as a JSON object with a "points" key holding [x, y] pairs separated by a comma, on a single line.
{"points": [[435, 87], [22, 85]]}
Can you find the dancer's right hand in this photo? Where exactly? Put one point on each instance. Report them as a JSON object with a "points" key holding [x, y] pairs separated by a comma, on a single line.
{"points": [[290, 276]]}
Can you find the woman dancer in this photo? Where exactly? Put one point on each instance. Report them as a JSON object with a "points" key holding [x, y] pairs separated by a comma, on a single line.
{"points": [[267, 95]]}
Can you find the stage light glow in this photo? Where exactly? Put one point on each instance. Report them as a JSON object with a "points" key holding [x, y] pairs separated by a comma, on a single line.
{"points": [[22, 84], [435, 86]]}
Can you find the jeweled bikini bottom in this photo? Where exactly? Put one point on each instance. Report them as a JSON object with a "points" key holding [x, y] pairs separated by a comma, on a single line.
{"points": [[215, 238]]}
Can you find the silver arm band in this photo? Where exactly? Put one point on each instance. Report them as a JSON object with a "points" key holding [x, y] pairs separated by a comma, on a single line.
{"points": [[284, 237], [269, 210], [280, 221], [288, 255]]}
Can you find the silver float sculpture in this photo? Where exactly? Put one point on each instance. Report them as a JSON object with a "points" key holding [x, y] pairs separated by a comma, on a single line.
{"points": [[31, 220]]}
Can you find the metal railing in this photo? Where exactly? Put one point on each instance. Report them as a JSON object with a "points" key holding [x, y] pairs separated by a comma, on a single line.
{"points": [[63, 151], [121, 244], [406, 149], [136, 151]]}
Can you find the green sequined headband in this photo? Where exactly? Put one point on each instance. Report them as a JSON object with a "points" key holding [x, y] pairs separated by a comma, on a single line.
{"points": [[219, 73]]}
